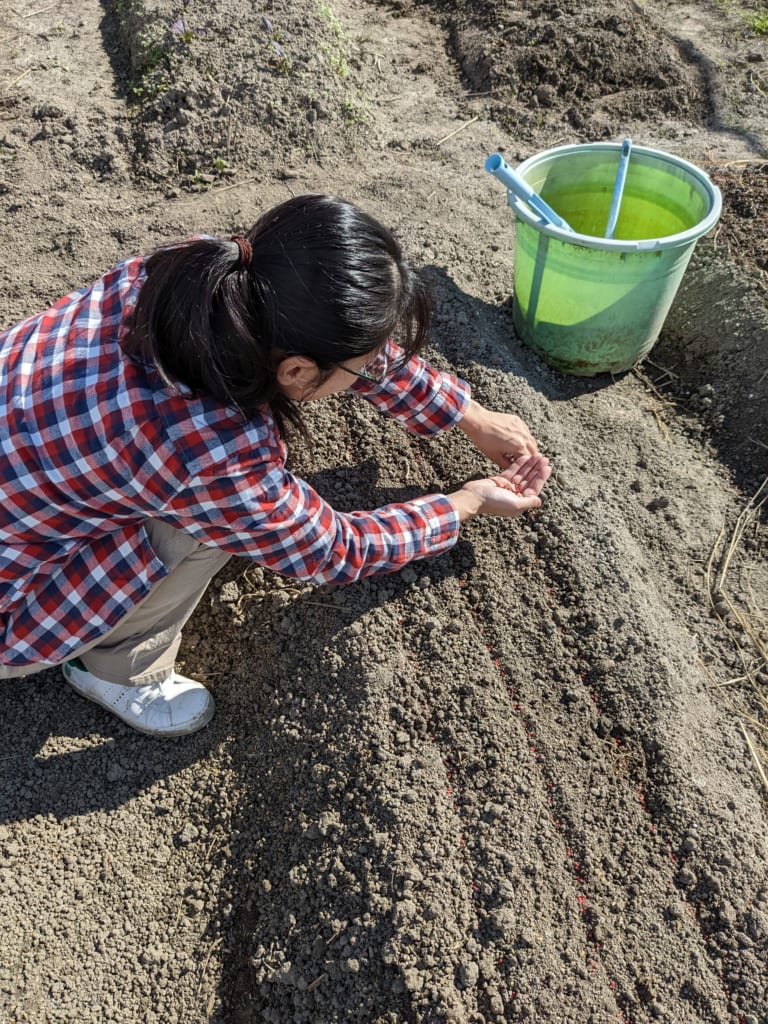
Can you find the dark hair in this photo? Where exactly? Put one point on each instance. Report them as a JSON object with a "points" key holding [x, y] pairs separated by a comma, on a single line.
{"points": [[325, 281]]}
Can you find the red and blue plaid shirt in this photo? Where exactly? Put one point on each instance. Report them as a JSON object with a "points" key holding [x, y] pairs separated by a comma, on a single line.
{"points": [[92, 444]]}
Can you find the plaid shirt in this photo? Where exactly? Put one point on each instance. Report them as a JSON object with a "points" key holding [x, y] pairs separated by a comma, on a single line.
{"points": [[92, 444]]}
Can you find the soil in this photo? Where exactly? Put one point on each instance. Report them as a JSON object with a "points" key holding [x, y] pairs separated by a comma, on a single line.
{"points": [[519, 782]]}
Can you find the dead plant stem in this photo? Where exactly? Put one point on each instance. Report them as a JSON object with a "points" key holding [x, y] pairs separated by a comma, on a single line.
{"points": [[41, 10], [18, 79], [663, 369], [217, 191], [456, 131], [755, 758]]}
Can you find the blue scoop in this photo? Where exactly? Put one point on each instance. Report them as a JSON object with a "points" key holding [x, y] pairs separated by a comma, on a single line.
{"points": [[500, 169]]}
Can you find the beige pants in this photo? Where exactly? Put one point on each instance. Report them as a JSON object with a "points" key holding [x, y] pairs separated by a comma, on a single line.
{"points": [[142, 647]]}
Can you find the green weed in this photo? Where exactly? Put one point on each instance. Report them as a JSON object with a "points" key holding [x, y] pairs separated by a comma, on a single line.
{"points": [[325, 12], [758, 21], [334, 50], [354, 112]]}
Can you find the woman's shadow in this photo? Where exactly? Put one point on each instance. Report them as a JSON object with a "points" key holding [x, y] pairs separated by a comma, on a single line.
{"points": [[62, 756]]}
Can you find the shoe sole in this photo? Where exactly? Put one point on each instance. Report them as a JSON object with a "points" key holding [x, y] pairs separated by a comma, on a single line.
{"points": [[188, 730]]}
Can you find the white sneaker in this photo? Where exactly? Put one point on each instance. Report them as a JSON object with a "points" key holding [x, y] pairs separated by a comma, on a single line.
{"points": [[175, 706]]}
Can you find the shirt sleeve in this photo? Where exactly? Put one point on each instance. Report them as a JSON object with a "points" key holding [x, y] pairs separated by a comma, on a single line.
{"points": [[425, 400], [278, 520]]}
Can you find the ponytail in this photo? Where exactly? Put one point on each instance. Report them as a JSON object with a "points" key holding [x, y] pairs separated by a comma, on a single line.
{"points": [[315, 276]]}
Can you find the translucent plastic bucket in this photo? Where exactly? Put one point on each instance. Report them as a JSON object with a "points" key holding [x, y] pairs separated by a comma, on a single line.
{"points": [[587, 304]]}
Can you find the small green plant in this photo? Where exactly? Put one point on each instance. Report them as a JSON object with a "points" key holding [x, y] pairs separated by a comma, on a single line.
{"points": [[334, 48], [325, 12], [150, 53], [353, 112], [758, 21], [199, 180], [156, 56], [154, 62], [339, 65]]}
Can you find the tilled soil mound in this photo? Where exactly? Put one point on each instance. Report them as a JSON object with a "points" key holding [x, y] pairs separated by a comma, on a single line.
{"points": [[519, 782], [212, 87], [580, 68]]}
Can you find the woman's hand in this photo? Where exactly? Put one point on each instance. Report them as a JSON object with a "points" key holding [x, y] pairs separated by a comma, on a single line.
{"points": [[509, 494], [500, 436], [508, 442]]}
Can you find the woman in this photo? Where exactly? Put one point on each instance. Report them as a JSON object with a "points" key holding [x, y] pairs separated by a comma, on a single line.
{"points": [[142, 427]]}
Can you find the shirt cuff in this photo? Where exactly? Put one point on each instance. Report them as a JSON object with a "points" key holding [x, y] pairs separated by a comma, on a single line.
{"points": [[441, 520]]}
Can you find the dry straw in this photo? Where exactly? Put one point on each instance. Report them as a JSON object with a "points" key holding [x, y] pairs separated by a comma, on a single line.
{"points": [[750, 620]]}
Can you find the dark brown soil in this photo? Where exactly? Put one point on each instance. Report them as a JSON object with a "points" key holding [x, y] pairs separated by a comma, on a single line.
{"points": [[744, 228]]}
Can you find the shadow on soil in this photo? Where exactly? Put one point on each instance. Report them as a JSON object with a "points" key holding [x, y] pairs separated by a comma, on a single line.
{"points": [[63, 756]]}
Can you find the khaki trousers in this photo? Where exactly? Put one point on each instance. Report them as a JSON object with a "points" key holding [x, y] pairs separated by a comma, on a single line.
{"points": [[142, 647]]}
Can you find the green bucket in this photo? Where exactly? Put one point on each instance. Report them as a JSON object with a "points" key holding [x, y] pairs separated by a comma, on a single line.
{"points": [[588, 304]]}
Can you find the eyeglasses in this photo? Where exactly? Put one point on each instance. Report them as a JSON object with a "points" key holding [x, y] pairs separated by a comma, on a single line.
{"points": [[363, 374]]}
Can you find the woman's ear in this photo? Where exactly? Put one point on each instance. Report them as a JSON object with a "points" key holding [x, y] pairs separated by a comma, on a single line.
{"points": [[297, 376]]}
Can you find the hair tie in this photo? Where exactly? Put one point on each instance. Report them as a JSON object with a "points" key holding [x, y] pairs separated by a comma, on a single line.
{"points": [[246, 251]]}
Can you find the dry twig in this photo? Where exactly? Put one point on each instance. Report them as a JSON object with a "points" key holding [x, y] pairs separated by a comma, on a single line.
{"points": [[662, 425], [735, 163], [456, 131], [663, 369], [216, 191], [665, 402], [42, 10], [755, 757], [719, 564], [17, 79], [755, 503], [204, 966]]}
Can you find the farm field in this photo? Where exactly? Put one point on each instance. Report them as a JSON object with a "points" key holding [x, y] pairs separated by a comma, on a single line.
{"points": [[524, 781]]}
